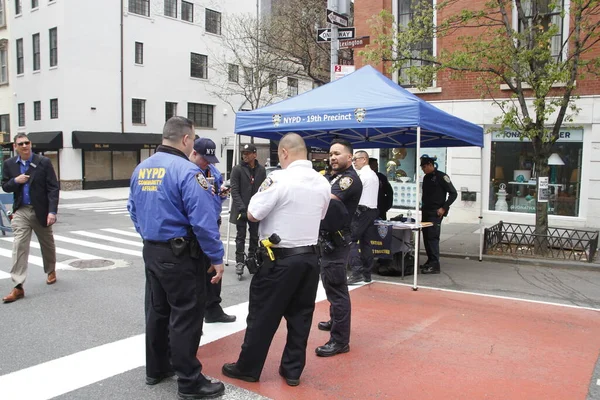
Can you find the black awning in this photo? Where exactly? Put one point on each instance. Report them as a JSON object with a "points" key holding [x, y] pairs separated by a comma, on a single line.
{"points": [[115, 140], [46, 141]]}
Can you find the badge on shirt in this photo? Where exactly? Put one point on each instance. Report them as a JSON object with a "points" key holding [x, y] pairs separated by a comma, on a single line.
{"points": [[345, 182], [202, 180], [265, 185], [447, 178]]}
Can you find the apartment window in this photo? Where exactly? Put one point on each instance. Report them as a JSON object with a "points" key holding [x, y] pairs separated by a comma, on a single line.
{"points": [[36, 52], [53, 108], [141, 7], [248, 75], [139, 53], [272, 84], [201, 114], [292, 84], [138, 111], [53, 47], [37, 110], [3, 66], [170, 110], [5, 123], [20, 57], [35, 4], [2, 14], [424, 48], [18, 7], [21, 112], [187, 11], [546, 18], [213, 22], [199, 66], [234, 73], [171, 8]]}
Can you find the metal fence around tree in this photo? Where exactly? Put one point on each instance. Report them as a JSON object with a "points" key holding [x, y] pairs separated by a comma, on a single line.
{"points": [[521, 240]]}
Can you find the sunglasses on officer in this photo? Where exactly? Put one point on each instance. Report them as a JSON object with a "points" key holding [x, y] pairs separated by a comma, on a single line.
{"points": [[23, 143]]}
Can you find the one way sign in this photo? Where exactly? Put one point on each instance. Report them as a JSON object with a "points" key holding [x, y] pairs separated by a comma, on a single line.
{"points": [[336, 19], [324, 34]]}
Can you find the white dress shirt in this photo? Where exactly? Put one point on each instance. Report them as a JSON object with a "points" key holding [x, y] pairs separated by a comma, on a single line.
{"points": [[291, 203], [370, 183]]}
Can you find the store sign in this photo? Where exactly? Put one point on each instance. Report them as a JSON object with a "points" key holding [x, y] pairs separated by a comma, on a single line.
{"points": [[565, 135]]}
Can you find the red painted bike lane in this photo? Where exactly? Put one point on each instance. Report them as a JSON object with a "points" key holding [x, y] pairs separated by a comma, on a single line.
{"points": [[433, 344]]}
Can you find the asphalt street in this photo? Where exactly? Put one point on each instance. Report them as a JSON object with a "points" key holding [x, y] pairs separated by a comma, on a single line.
{"points": [[82, 338]]}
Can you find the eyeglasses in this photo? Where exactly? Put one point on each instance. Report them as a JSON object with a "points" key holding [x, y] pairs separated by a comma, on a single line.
{"points": [[357, 158], [24, 143]]}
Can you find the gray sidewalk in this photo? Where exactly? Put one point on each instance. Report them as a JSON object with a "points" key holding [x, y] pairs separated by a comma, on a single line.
{"points": [[462, 241]]}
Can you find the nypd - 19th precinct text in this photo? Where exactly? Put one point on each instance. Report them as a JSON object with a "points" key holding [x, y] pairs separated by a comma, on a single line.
{"points": [[318, 118]]}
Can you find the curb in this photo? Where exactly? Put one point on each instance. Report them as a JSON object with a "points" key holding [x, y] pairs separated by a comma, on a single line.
{"points": [[533, 262]]}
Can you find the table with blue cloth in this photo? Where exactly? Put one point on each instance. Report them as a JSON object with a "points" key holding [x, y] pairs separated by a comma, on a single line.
{"points": [[391, 240]]}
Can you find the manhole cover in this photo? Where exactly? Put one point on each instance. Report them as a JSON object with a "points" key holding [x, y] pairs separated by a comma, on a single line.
{"points": [[90, 264]]}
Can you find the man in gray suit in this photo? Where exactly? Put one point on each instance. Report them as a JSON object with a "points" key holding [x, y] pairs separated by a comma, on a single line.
{"points": [[246, 178]]}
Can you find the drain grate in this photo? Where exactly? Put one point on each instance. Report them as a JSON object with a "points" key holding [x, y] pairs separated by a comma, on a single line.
{"points": [[92, 264]]}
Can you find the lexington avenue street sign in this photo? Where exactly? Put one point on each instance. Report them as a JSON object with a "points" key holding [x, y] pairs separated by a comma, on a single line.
{"points": [[336, 19], [324, 34], [353, 43]]}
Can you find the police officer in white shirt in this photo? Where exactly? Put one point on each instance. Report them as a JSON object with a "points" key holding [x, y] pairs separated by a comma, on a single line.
{"points": [[361, 263], [291, 203]]}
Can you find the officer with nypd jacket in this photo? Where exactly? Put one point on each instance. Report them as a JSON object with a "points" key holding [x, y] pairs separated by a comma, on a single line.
{"points": [[172, 208], [438, 195], [285, 285], [346, 189]]}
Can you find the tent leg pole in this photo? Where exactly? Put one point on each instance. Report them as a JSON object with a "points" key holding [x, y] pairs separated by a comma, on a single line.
{"points": [[233, 164], [481, 211], [418, 197]]}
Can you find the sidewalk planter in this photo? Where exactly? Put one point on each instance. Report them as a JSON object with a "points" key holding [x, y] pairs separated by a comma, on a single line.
{"points": [[518, 240]]}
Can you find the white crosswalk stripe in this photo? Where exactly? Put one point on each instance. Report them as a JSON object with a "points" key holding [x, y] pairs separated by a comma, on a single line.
{"points": [[109, 238], [106, 243], [70, 246]]}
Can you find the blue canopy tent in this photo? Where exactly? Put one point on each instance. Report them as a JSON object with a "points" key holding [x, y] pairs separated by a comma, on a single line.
{"points": [[367, 109]]}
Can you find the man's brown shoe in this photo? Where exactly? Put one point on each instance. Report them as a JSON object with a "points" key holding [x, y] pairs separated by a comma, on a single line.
{"points": [[51, 278], [14, 295]]}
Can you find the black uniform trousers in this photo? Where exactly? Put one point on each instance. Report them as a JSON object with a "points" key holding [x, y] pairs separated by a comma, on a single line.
{"points": [[333, 276], [240, 239], [213, 291], [431, 237], [287, 289], [175, 296], [361, 263]]}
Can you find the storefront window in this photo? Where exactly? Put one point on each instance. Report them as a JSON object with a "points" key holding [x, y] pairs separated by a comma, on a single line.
{"points": [[124, 162], [399, 166], [97, 166], [53, 156], [512, 167]]}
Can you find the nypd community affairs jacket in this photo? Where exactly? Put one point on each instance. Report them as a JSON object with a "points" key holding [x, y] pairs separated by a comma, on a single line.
{"points": [[244, 184]]}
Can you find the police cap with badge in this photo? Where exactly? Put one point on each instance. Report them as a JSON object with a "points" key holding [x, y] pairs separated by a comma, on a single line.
{"points": [[207, 149]]}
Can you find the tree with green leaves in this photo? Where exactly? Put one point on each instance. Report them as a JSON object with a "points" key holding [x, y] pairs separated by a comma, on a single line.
{"points": [[535, 49]]}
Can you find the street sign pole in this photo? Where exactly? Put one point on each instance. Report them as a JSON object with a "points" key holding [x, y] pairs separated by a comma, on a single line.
{"points": [[333, 5]]}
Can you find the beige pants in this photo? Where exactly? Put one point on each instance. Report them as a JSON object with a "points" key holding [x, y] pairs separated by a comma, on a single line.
{"points": [[23, 222]]}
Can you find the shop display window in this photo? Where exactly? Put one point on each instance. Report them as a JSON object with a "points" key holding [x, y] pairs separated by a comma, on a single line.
{"points": [[513, 184]]}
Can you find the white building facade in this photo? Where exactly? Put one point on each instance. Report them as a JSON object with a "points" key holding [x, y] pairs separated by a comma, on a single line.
{"points": [[93, 82]]}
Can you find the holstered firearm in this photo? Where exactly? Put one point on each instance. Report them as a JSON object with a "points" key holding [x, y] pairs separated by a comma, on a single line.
{"points": [[264, 255], [332, 240]]}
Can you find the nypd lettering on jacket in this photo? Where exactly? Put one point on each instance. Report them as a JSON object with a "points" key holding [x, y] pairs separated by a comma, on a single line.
{"points": [[170, 197]]}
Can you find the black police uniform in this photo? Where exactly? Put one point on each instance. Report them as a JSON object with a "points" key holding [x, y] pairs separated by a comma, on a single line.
{"points": [[171, 208], [347, 186], [438, 192]]}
